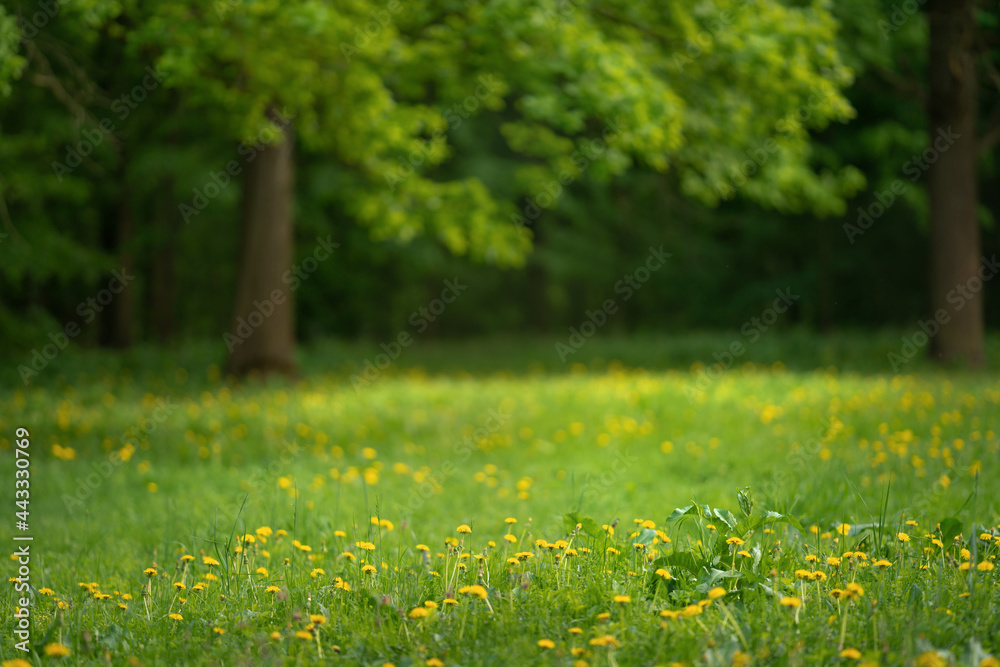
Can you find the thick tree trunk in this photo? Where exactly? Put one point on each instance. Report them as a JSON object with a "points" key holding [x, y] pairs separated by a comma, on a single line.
{"points": [[262, 335], [956, 288]]}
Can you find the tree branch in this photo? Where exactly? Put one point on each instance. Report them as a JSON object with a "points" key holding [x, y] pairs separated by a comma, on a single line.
{"points": [[907, 87]]}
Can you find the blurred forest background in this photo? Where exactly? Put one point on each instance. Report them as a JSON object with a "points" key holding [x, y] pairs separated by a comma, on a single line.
{"points": [[534, 150]]}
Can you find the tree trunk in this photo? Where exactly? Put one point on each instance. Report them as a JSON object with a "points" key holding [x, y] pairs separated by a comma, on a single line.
{"points": [[261, 338], [956, 287]]}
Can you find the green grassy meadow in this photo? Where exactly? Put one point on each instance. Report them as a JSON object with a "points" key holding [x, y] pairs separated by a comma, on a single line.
{"points": [[484, 504]]}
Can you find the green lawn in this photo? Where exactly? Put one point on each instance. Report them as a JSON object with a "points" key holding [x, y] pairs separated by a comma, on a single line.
{"points": [[138, 468]]}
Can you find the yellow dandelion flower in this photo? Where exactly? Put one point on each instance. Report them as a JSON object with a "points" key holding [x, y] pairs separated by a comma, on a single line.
{"points": [[622, 599], [367, 546], [931, 659], [56, 650], [791, 601], [985, 566], [304, 634], [275, 636], [844, 528], [850, 653], [855, 589], [546, 643], [46, 591], [476, 591], [606, 640], [272, 589], [150, 572], [176, 616], [464, 529], [903, 537], [734, 540], [434, 662], [179, 585], [208, 560], [716, 593]]}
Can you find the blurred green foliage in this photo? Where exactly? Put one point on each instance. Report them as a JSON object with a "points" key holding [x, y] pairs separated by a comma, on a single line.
{"points": [[553, 143]]}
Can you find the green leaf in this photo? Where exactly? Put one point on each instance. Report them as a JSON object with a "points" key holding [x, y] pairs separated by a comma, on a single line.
{"points": [[681, 559], [950, 528], [745, 499], [726, 517], [587, 525], [645, 537]]}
